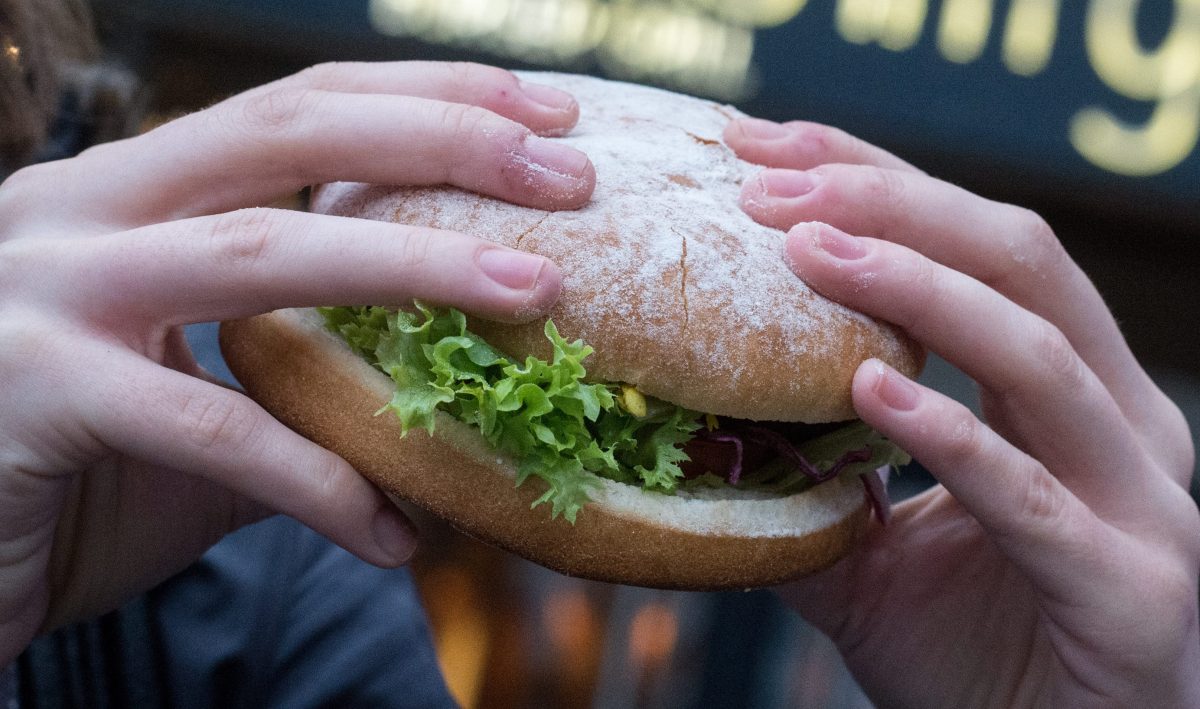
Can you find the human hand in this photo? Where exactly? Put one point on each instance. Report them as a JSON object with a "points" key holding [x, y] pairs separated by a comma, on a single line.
{"points": [[121, 461], [1057, 562]]}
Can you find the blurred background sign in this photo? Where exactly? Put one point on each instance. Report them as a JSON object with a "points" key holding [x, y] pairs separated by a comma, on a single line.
{"points": [[1105, 93], [1111, 85]]}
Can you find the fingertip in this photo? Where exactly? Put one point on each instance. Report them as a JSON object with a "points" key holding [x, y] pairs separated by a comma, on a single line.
{"points": [[800, 242], [581, 192], [542, 296], [742, 131], [754, 201], [880, 390], [781, 197], [395, 536], [510, 268], [751, 197], [558, 110], [550, 174], [529, 284]]}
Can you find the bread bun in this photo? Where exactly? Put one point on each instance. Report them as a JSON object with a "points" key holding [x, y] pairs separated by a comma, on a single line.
{"points": [[676, 288], [678, 291], [311, 381]]}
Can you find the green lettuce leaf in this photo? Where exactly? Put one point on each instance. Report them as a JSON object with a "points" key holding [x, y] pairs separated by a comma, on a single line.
{"points": [[563, 429]]}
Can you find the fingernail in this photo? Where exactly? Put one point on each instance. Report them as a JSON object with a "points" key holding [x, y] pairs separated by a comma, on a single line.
{"points": [[557, 158], [394, 534], [548, 96], [838, 244], [786, 184], [759, 129], [894, 390], [512, 269]]}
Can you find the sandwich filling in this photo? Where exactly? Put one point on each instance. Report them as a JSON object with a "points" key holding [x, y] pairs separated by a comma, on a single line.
{"points": [[569, 431]]}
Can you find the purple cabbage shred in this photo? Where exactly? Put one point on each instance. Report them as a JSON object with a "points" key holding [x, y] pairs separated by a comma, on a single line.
{"points": [[877, 494]]}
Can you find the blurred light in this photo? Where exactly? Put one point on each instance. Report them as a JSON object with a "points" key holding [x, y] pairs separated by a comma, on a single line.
{"points": [[11, 51], [894, 24], [575, 631], [667, 43], [652, 636], [461, 636], [752, 13], [963, 30], [1029, 35]]}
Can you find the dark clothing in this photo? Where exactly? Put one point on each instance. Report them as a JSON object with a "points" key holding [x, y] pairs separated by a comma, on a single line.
{"points": [[273, 616]]}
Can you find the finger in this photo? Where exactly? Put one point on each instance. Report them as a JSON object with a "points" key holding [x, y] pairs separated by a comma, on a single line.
{"points": [[1009, 248], [1034, 519], [170, 419], [253, 261], [257, 148], [801, 145], [543, 109], [1067, 415]]}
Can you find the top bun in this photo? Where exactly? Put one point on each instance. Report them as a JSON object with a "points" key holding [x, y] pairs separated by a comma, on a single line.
{"points": [[677, 289]]}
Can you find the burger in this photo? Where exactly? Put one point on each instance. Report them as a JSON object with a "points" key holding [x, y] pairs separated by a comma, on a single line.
{"points": [[681, 420]]}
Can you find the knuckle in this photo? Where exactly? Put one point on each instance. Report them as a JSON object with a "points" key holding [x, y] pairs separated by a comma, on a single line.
{"points": [[1041, 500], [329, 475], [1169, 586], [1033, 252], [928, 296], [462, 121], [1169, 435], [819, 143], [414, 249], [1037, 233], [965, 443], [276, 109], [217, 422], [241, 240], [1056, 356], [886, 188]]}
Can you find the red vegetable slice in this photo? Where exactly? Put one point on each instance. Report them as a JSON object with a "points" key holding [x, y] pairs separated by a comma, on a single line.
{"points": [[877, 494]]}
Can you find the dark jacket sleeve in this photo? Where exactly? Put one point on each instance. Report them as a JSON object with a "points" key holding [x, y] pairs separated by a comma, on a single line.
{"points": [[276, 616], [273, 616]]}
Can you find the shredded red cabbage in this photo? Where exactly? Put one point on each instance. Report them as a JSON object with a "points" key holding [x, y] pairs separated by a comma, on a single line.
{"points": [[877, 495], [739, 447], [717, 452]]}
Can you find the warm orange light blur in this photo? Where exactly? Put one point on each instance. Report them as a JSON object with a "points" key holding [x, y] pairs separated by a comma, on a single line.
{"points": [[570, 622], [652, 635], [575, 631], [11, 51], [460, 628]]}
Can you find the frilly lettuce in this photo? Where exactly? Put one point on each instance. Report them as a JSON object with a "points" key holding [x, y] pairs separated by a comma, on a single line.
{"points": [[561, 428]]}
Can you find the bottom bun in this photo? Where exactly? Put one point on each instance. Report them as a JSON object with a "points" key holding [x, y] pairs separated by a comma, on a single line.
{"points": [[705, 540]]}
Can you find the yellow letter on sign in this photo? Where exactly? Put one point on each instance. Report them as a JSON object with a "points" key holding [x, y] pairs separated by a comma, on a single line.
{"points": [[894, 24], [1168, 76]]}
